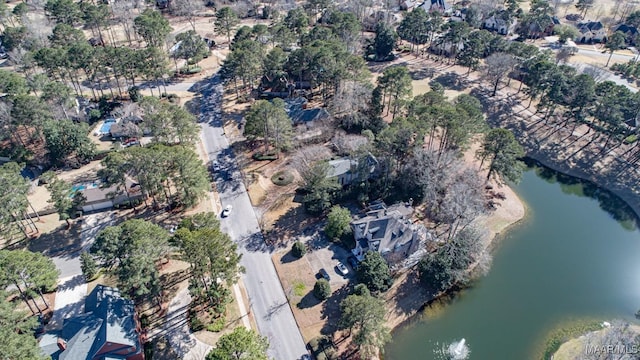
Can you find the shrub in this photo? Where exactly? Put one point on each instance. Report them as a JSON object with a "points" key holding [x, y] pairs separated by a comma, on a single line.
{"points": [[173, 98], [322, 289], [145, 321], [190, 70], [195, 324], [298, 249], [217, 325], [282, 178], [298, 288], [134, 94], [631, 139], [262, 157], [94, 115]]}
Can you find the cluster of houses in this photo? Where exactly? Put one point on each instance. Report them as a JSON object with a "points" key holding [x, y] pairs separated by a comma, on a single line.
{"points": [[502, 23]]}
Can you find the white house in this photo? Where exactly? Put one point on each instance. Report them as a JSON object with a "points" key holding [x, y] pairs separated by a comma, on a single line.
{"points": [[499, 23], [437, 5]]}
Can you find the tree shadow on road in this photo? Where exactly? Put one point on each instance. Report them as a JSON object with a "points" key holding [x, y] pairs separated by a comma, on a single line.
{"points": [[59, 242]]}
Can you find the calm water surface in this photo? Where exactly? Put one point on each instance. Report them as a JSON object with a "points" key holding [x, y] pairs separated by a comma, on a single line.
{"points": [[570, 259]]}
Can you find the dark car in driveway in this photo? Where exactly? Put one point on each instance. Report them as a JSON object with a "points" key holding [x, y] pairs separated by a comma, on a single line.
{"points": [[353, 262], [323, 274]]}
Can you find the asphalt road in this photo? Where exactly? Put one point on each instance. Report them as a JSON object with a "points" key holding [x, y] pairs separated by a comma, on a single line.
{"points": [[266, 296]]}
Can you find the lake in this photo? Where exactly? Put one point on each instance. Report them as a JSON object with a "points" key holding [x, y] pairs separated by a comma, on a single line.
{"points": [[576, 255]]}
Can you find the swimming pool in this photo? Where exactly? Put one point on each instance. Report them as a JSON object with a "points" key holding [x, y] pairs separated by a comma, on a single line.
{"points": [[80, 187], [106, 127]]}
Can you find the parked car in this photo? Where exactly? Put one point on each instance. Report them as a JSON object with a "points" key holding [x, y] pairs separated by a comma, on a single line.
{"points": [[353, 262], [573, 17], [130, 142], [342, 270], [324, 274], [227, 211]]}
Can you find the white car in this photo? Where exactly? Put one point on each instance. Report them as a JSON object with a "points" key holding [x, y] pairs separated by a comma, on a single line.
{"points": [[226, 211], [343, 270]]}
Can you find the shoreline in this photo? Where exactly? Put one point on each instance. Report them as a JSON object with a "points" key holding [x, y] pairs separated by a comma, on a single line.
{"points": [[511, 211], [503, 223]]}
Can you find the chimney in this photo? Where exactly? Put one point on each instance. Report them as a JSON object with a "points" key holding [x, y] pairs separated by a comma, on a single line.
{"points": [[62, 344]]}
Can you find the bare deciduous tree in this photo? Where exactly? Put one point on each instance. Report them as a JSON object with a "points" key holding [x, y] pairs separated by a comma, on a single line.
{"points": [[189, 9], [38, 30], [349, 144], [351, 103], [497, 66], [304, 158], [124, 13], [618, 336]]}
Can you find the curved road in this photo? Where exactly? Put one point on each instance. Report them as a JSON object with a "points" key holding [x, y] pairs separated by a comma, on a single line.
{"points": [[267, 300]]}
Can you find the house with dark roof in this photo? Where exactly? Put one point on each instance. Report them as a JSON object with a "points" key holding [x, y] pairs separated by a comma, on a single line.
{"points": [[125, 129], [591, 31], [437, 5], [389, 231], [299, 113], [629, 31], [347, 170], [108, 329]]}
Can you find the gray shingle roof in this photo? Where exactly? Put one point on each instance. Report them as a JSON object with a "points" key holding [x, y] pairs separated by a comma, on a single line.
{"points": [[340, 166], [108, 318], [388, 231]]}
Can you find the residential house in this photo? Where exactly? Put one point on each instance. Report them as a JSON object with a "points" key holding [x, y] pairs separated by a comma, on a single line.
{"points": [[389, 231], [630, 32], [407, 5], [460, 14], [100, 198], [542, 27], [299, 113], [125, 129], [108, 329], [500, 23], [437, 5], [441, 47], [591, 31], [347, 170]]}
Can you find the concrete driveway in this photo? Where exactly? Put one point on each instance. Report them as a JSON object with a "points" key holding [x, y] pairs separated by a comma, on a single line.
{"points": [[72, 287], [326, 255]]}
